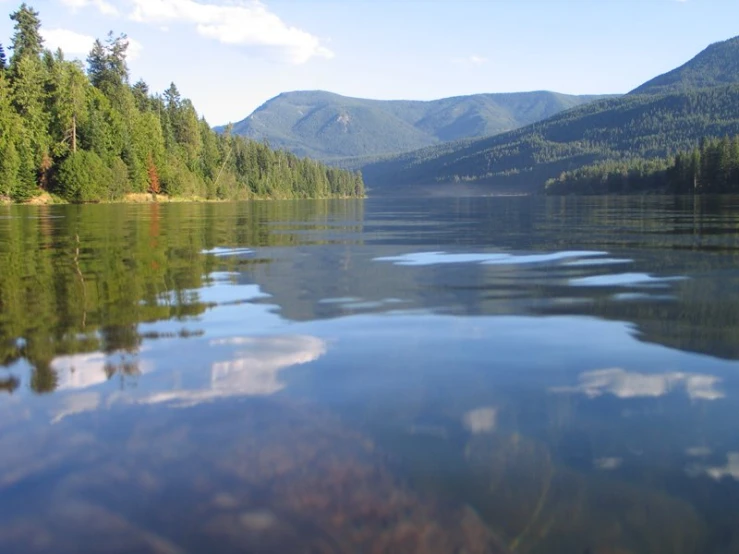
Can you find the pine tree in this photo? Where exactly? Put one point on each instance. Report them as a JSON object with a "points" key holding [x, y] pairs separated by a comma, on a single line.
{"points": [[27, 40], [172, 97], [96, 64], [141, 95], [3, 59], [106, 63]]}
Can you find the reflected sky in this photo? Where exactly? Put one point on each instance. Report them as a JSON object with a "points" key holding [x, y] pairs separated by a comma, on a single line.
{"points": [[510, 375]]}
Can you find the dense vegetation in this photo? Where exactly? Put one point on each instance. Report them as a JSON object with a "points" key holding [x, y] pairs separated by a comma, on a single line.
{"points": [[717, 65], [713, 167], [634, 126], [644, 126], [90, 135], [330, 127]]}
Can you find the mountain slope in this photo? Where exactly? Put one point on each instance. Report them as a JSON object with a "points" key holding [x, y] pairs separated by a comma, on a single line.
{"points": [[646, 124], [328, 126], [717, 65]]}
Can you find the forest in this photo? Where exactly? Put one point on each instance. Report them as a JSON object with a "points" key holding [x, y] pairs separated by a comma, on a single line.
{"points": [[615, 130], [83, 133], [712, 167]]}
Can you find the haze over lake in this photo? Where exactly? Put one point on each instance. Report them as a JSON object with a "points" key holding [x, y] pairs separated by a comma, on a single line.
{"points": [[390, 375]]}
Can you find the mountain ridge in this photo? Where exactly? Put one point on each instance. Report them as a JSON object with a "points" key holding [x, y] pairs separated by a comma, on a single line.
{"points": [[670, 113], [716, 65], [329, 126]]}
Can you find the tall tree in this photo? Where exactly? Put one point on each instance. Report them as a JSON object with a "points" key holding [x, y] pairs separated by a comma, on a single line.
{"points": [[3, 58], [172, 97], [27, 40], [106, 63]]}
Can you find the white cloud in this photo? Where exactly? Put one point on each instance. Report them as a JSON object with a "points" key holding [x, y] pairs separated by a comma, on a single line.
{"points": [[608, 464], [69, 41], [82, 371], [105, 8], [731, 469], [79, 45], [248, 24], [625, 384], [481, 420], [253, 368], [473, 60], [134, 49]]}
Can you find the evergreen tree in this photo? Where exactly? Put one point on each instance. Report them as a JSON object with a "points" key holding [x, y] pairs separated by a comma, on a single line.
{"points": [[3, 59], [141, 95], [95, 137], [27, 40], [172, 98], [106, 63]]}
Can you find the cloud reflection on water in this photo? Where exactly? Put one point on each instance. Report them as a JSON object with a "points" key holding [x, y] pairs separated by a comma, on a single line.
{"points": [[235, 366], [625, 384], [252, 368], [493, 258]]}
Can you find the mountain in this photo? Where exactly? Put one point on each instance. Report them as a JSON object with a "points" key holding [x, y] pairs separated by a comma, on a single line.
{"points": [[328, 126], [717, 65], [660, 118]]}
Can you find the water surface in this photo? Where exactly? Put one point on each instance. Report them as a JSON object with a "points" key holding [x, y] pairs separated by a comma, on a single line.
{"points": [[438, 375]]}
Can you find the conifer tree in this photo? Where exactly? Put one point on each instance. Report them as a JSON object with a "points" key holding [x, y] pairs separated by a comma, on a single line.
{"points": [[91, 137], [27, 40]]}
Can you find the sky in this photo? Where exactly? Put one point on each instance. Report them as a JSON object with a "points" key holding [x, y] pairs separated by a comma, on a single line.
{"points": [[231, 56]]}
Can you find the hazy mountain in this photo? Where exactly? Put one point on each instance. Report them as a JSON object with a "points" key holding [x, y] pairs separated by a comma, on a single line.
{"points": [[666, 115], [327, 126], [717, 65]]}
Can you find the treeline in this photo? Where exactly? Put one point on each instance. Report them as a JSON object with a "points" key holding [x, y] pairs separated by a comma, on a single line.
{"points": [[86, 134], [713, 167]]}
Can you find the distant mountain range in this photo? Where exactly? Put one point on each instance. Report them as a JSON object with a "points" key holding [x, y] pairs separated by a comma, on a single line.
{"points": [[670, 113], [327, 126]]}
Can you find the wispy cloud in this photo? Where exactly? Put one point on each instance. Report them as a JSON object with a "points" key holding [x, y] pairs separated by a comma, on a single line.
{"points": [[470, 61], [249, 24], [79, 45], [104, 7]]}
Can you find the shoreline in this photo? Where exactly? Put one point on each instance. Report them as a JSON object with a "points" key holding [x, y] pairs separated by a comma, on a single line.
{"points": [[46, 199]]}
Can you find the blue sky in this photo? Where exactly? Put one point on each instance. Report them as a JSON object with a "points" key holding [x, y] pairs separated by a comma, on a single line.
{"points": [[230, 56]]}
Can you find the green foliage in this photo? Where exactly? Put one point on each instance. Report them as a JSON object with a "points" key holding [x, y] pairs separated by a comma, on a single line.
{"points": [[106, 63], [717, 65], [667, 115], [92, 137], [634, 126], [711, 168], [329, 127], [84, 177], [27, 40]]}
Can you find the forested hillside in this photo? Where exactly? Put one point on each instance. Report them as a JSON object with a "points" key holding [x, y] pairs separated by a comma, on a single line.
{"points": [[87, 134], [717, 65], [634, 126], [332, 127], [713, 167]]}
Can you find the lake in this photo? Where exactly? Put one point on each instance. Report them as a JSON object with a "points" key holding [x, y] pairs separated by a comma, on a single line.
{"points": [[470, 375]]}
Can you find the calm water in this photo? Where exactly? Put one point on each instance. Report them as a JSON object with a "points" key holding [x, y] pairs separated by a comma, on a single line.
{"points": [[473, 375]]}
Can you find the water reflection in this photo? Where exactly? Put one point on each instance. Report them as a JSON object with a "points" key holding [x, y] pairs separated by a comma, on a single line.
{"points": [[250, 366], [625, 384], [421, 376]]}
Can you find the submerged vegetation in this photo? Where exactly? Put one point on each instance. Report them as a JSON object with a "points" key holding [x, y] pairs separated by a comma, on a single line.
{"points": [[713, 167], [86, 134]]}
